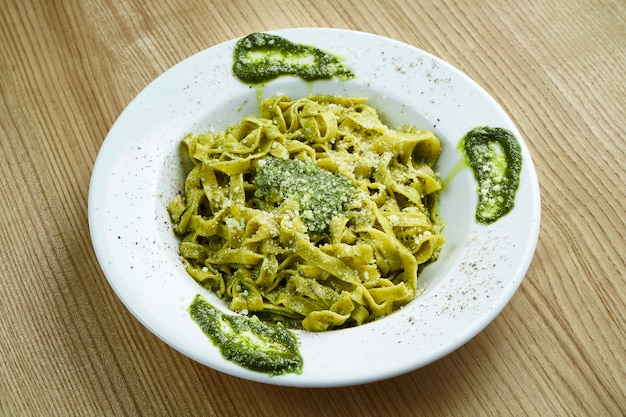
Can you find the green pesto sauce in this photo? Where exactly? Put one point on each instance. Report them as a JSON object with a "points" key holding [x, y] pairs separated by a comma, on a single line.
{"points": [[320, 194], [261, 57], [495, 156], [247, 341]]}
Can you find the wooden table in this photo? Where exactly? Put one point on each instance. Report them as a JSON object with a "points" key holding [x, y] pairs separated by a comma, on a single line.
{"points": [[70, 348]]}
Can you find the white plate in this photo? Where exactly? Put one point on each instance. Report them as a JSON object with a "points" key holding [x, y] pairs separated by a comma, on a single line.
{"points": [[138, 171]]}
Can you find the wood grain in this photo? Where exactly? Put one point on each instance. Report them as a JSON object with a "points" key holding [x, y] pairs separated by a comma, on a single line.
{"points": [[70, 348]]}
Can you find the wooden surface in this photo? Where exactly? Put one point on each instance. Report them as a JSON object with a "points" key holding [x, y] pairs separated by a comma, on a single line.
{"points": [[69, 347]]}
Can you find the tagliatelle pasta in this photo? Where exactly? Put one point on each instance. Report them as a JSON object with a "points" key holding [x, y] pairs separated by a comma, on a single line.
{"points": [[287, 254]]}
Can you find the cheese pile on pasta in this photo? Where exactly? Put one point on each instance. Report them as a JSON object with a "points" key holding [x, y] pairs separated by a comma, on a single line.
{"points": [[265, 259]]}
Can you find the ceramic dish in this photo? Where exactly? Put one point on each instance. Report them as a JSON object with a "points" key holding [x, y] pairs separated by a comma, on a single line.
{"points": [[138, 171]]}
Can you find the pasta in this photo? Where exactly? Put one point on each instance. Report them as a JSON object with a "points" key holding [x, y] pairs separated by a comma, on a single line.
{"points": [[263, 256]]}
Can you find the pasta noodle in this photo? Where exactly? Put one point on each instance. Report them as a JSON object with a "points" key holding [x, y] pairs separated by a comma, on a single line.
{"points": [[264, 259]]}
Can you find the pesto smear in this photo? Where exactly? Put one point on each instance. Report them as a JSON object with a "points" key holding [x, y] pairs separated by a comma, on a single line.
{"points": [[261, 57], [247, 341], [495, 156]]}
